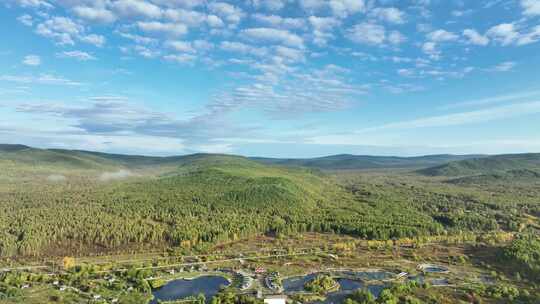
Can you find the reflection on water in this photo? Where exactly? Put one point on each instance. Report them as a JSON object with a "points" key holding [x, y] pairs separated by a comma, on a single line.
{"points": [[179, 289], [347, 286], [297, 283]]}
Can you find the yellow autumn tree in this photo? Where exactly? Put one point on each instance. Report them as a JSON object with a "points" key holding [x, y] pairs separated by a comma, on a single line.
{"points": [[68, 262]]}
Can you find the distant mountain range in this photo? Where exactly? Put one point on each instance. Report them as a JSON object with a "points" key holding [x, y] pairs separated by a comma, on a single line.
{"points": [[88, 159], [497, 164], [356, 162], [510, 176], [431, 165]]}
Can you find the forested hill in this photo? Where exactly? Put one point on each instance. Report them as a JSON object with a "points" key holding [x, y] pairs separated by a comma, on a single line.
{"points": [[211, 198], [355, 162], [20, 155], [485, 165], [98, 160], [79, 159], [63, 202], [510, 176]]}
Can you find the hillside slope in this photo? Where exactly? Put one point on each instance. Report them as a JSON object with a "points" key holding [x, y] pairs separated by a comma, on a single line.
{"points": [[88, 159], [206, 199], [510, 176], [355, 162], [485, 165], [203, 199], [27, 156]]}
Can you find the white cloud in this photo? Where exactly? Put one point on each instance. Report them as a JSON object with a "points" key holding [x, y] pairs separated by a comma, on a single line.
{"points": [[202, 45], [180, 3], [63, 30], [388, 14], [312, 5], [343, 8], [279, 22], [214, 21], [504, 66], [137, 8], [509, 34], [494, 99], [504, 33], [323, 28], [242, 48], [94, 39], [405, 72], [146, 51], [180, 58], [79, 55], [367, 33], [32, 60], [230, 12], [33, 3], [339, 8], [44, 79], [272, 5], [177, 29], [532, 36], [461, 13], [181, 46], [323, 23], [531, 7], [396, 38], [138, 38], [403, 88], [464, 118], [287, 98], [94, 14], [290, 54], [442, 36], [474, 37], [431, 49], [188, 17], [273, 36], [26, 20]]}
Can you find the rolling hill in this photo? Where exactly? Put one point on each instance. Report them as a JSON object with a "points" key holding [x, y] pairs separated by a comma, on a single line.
{"points": [[202, 199], [356, 162], [88, 159], [510, 176], [485, 165], [27, 156]]}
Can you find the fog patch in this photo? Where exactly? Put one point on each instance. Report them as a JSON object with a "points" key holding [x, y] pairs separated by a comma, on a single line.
{"points": [[120, 174], [56, 178]]}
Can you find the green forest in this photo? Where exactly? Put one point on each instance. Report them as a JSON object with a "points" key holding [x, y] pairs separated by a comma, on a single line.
{"points": [[58, 202]]}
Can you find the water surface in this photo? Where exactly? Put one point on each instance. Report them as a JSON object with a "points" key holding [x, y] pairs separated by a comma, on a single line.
{"points": [[180, 289], [347, 286]]}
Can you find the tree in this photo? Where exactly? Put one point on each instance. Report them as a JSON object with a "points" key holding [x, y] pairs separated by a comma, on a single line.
{"points": [[68, 262]]}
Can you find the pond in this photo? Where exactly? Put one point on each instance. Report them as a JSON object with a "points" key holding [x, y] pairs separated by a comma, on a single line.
{"points": [[296, 284], [179, 289], [435, 269], [347, 286], [430, 268]]}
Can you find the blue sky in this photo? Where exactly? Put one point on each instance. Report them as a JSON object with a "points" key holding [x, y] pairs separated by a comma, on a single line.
{"points": [[283, 78]]}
